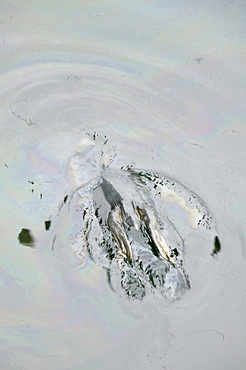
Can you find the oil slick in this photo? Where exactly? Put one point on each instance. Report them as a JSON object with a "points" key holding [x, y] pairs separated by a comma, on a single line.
{"points": [[128, 224]]}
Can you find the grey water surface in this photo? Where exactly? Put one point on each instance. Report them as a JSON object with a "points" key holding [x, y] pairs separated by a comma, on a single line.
{"points": [[122, 155]]}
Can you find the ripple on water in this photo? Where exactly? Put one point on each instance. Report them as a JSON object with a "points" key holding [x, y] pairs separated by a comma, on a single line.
{"points": [[173, 116], [71, 100]]}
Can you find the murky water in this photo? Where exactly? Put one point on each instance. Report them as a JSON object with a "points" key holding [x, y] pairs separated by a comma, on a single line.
{"points": [[122, 185]]}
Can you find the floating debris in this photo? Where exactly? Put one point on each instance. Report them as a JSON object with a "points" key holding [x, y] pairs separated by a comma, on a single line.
{"points": [[47, 224], [217, 246], [25, 237]]}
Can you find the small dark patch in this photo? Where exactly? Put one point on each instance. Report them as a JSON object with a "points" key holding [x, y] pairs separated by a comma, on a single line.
{"points": [[6, 165], [110, 251], [195, 144], [109, 279], [150, 241], [111, 194], [73, 76], [89, 252], [25, 237], [31, 182], [129, 221], [175, 252], [47, 224], [198, 60], [97, 212], [217, 246], [63, 203], [41, 195]]}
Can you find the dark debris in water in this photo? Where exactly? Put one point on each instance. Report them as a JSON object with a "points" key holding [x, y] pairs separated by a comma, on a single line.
{"points": [[25, 237], [217, 246], [47, 224], [63, 203]]}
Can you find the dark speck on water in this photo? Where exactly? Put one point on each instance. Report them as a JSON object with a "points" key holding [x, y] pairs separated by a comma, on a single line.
{"points": [[217, 246], [47, 224], [25, 237]]}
